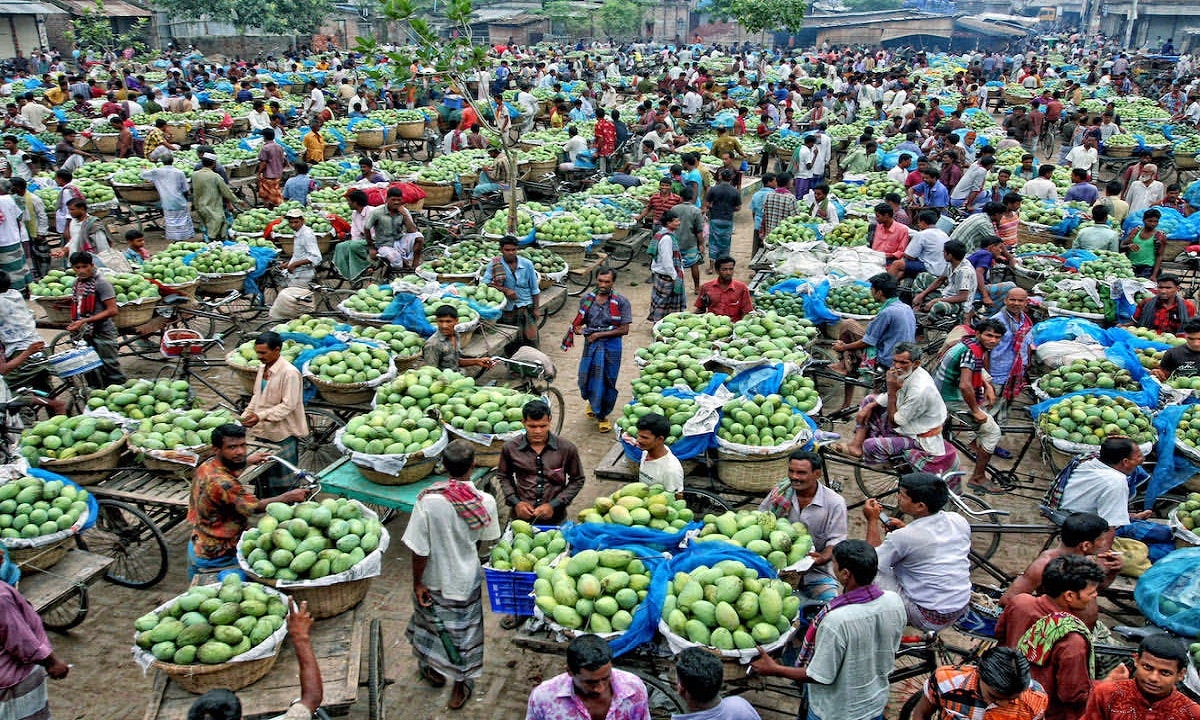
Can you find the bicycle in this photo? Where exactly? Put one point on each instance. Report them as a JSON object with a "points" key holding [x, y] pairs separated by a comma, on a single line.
{"points": [[183, 348], [531, 378]]}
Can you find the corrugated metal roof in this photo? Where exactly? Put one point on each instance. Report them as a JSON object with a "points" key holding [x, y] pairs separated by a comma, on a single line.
{"points": [[23, 7], [988, 28], [112, 8]]}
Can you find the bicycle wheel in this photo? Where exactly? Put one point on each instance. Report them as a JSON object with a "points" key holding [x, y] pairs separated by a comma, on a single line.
{"points": [[878, 484], [906, 710], [329, 300], [136, 545], [316, 450], [553, 307], [702, 502], [577, 286], [558, 407], [660, 696], [828, 386], [491, 485], [914, 664], [235, 317], [68, 611], [61, 342], [983, 542]]}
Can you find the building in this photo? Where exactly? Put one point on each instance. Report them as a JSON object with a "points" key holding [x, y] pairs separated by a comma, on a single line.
{"points": [[23, 25]]}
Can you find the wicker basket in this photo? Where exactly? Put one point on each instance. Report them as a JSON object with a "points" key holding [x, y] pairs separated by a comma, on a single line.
{"points": [[369, 138], [57, 309], [287, 243], [1010, 99], [752, 473], [572, 254], [537, 169], [245, 376], [221, 284], [329, 151], [245, 170], [88, 469], [106, 143], [241, 125], [468, 181], [417, 206], [199, 679], [41, 559], [411, 362], [343, 394], [1119, 151], [437, 193], [418, 468], [177, 134], [488, 455], [141, 194], [134, 313], [187, 289], [1186, 162], [325, 601], [411, 130], [1027, 233]]}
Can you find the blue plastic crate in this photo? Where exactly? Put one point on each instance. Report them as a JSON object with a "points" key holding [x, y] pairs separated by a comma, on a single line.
{"points": [[510, 591]]}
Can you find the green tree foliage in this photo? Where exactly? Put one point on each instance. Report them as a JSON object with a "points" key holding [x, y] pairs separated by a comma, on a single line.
{"points": [[279, 17], [757, 16], [94, 31], [569, 17], [621, 18]]}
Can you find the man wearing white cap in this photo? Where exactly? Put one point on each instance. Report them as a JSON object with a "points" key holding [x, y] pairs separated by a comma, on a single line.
{"points": [[305, 253]]}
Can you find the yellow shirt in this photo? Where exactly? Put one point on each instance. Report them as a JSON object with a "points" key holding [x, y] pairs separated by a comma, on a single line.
{"points": [[56, 96], [314, 147]]}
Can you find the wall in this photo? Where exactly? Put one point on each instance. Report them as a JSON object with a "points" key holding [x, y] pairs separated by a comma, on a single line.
{"points": [[26, 38]]}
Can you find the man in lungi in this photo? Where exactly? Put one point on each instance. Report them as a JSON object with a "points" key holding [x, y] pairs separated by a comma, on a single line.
{"points": [[172, 186], [26, 657], [603, 319], [667, 294], [449, 521], [271, 162]]}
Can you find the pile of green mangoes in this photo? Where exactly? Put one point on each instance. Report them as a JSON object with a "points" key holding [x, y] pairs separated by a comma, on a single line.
{"points": [[1088, 419], [1155, 336], [483, 294], [1075, 300], [1184, 382], [677, 411], [853, 300], [663, 371], [212, 624], [32, 507], [370, 300], [485, 410], [130, 287], [595, 219], [794, 229], [776, 326], [423, 387], [784, 303], [168, 269], [1039, 212], [745, 349], [310, 540], [254, 220], [358, 363], [1188, 511], [528, 547], [593, 590], [1084, 374], [848, 233], [399, 340], [1107, 268], [391, 430], [544, 261], [180, 429], [140, 399], [565, 228], [217, 261], [63, 438], [498, 224], [56, 283], [465, 257], [694, 327], [759, 421], [639, 504], [244, 357], [778, 541], [800, 392], [729, 607], [317, 328], [466, 313], [1149, 357]]}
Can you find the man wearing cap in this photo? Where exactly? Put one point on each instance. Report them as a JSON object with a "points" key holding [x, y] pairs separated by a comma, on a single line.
{"points": [[305, 253], [211, 196]]}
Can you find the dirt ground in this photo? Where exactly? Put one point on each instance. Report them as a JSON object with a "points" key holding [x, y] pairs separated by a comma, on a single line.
{"points": [[105, 683]]}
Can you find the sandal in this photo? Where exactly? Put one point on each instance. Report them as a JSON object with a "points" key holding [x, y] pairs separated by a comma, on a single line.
{"points": [[431, 676], [1002, 454], [510, 622], [604, 426], [590, 413], [843, 449], [467, 691], [987, 488]]}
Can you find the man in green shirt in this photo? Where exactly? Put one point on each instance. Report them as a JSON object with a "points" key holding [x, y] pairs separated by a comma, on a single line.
{"points": [[210, 196], [860, 160], [1097, 235]]}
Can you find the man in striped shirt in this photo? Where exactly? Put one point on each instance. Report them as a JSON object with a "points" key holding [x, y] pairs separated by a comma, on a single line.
{"points": [[660, 202], [998, 688]]}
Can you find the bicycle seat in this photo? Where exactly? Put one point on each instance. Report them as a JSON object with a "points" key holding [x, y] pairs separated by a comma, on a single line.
{"points": [[1132, 633], [176, 299]]}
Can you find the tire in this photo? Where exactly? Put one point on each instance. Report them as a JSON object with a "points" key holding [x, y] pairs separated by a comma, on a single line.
{"points": [[832, 392], [661, 697], [491, 484], [316, 450], [61, 342], [906, 710], [984, 543], [547, 311], [880, 485], [702, 502], [329, 300], [376, 683], [67, 612], [136, 545], [575, 288], [558, 406]]}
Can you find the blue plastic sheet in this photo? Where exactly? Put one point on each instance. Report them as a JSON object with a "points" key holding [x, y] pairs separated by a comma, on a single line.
{"points": [[1192, 194], [644, 624], [1125, 357], [1175, 579], [1074, 258], [263, 257], [815, 308], [1068, 328], [92, 505], [1121, 335], [602, 536], [406, 309], [1172, 469], [1172, 223], [761, 380]]}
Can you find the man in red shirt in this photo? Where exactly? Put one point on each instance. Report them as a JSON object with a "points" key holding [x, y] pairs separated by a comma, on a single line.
{"points": [[916, 177], [1166, 311], [1054, 107], [725, 295], [1160, 664], [1048, 631], [660, 202], [891, 237], [605, 137]]}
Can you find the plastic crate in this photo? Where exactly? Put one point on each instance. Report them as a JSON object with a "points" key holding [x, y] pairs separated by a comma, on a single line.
{"points": [[510, 591]]}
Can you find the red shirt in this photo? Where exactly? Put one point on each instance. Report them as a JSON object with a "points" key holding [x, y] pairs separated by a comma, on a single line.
{"points": [[891, 241], [914, 179], [1065, 676], [606, 137], [660, 203], [732, 300], [469, 118], [1121, 700], [1166, 318]]}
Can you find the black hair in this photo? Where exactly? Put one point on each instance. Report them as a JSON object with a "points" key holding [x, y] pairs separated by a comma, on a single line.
{"points": [[457, 458], [1070, 572], [1115, 449], [813, 459], [927, 489], [509, 240], [133, 234], [1165, 647], [301, 167], [700, 673], [606, 270], [955, 249], [1169, 278], [1113, 187], [885, 284], [1152, 212], [994, 208], [586, 652], [859, 558], [1081, 527], [723, 261], [216, 704], [271, 339], [657, 424], [928, 216], [990, 325], [535, 410], [268, 133], [1191, 326], [893, 198], [447, 311], [228, 430], [1045, 171], [1099, 213], [358, 196], [1005, 671], [80, 258], [5, 281], [885, 210]]}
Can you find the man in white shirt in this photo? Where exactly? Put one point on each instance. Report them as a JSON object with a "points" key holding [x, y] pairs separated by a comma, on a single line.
{"points": [[258, 117], [36, 113], [573, 147], [926, 560], [691, 103], [824, 151], [450, 521], [1192, 114], [659, 466], [1085, 156], [306, 255], [529, 106], [970, 185], [315, 103], [925, 251], [1101, 485], [1041, 187]]}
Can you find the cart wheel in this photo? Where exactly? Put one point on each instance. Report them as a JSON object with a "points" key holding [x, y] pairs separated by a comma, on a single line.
{"points": [[660, 696], [984, 543], [575, 287], [491, 485], [702, 502], [125, 534], [558, 406], [316, 450], [547, 310], [68, 612], [376, 683], [910, 705]]}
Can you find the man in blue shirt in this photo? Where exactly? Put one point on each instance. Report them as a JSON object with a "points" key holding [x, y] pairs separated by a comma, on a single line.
{"points": [[895, 323], [1081, 189], [930, 192], [756, 206], [244, 95], [692, 176], [515, 276]]}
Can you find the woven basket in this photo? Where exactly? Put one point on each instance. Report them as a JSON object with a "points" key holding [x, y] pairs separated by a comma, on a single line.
{"points": [[537, 169], [199, 679], [1120, 151], [141, 194], [417, 206], [221, 284], [241, 124], [243, 171], [88, 469], [41, 559], [187, 289], [468, 181], [106, 143], [572, 254], [287, 243], [343, 394], [57, 309], [619, 233], [177, 134], [436, 193], [325, 601], [1010, 99], [245, 376], [1027, 233], [752, 473], [369, 138], [417, 468], [411, 130], [407, 363], [134, 313], [1186, 162]]}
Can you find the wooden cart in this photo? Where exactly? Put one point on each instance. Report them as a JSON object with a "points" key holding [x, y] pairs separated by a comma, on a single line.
{"points": [[338, 644], [60, 593]]}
